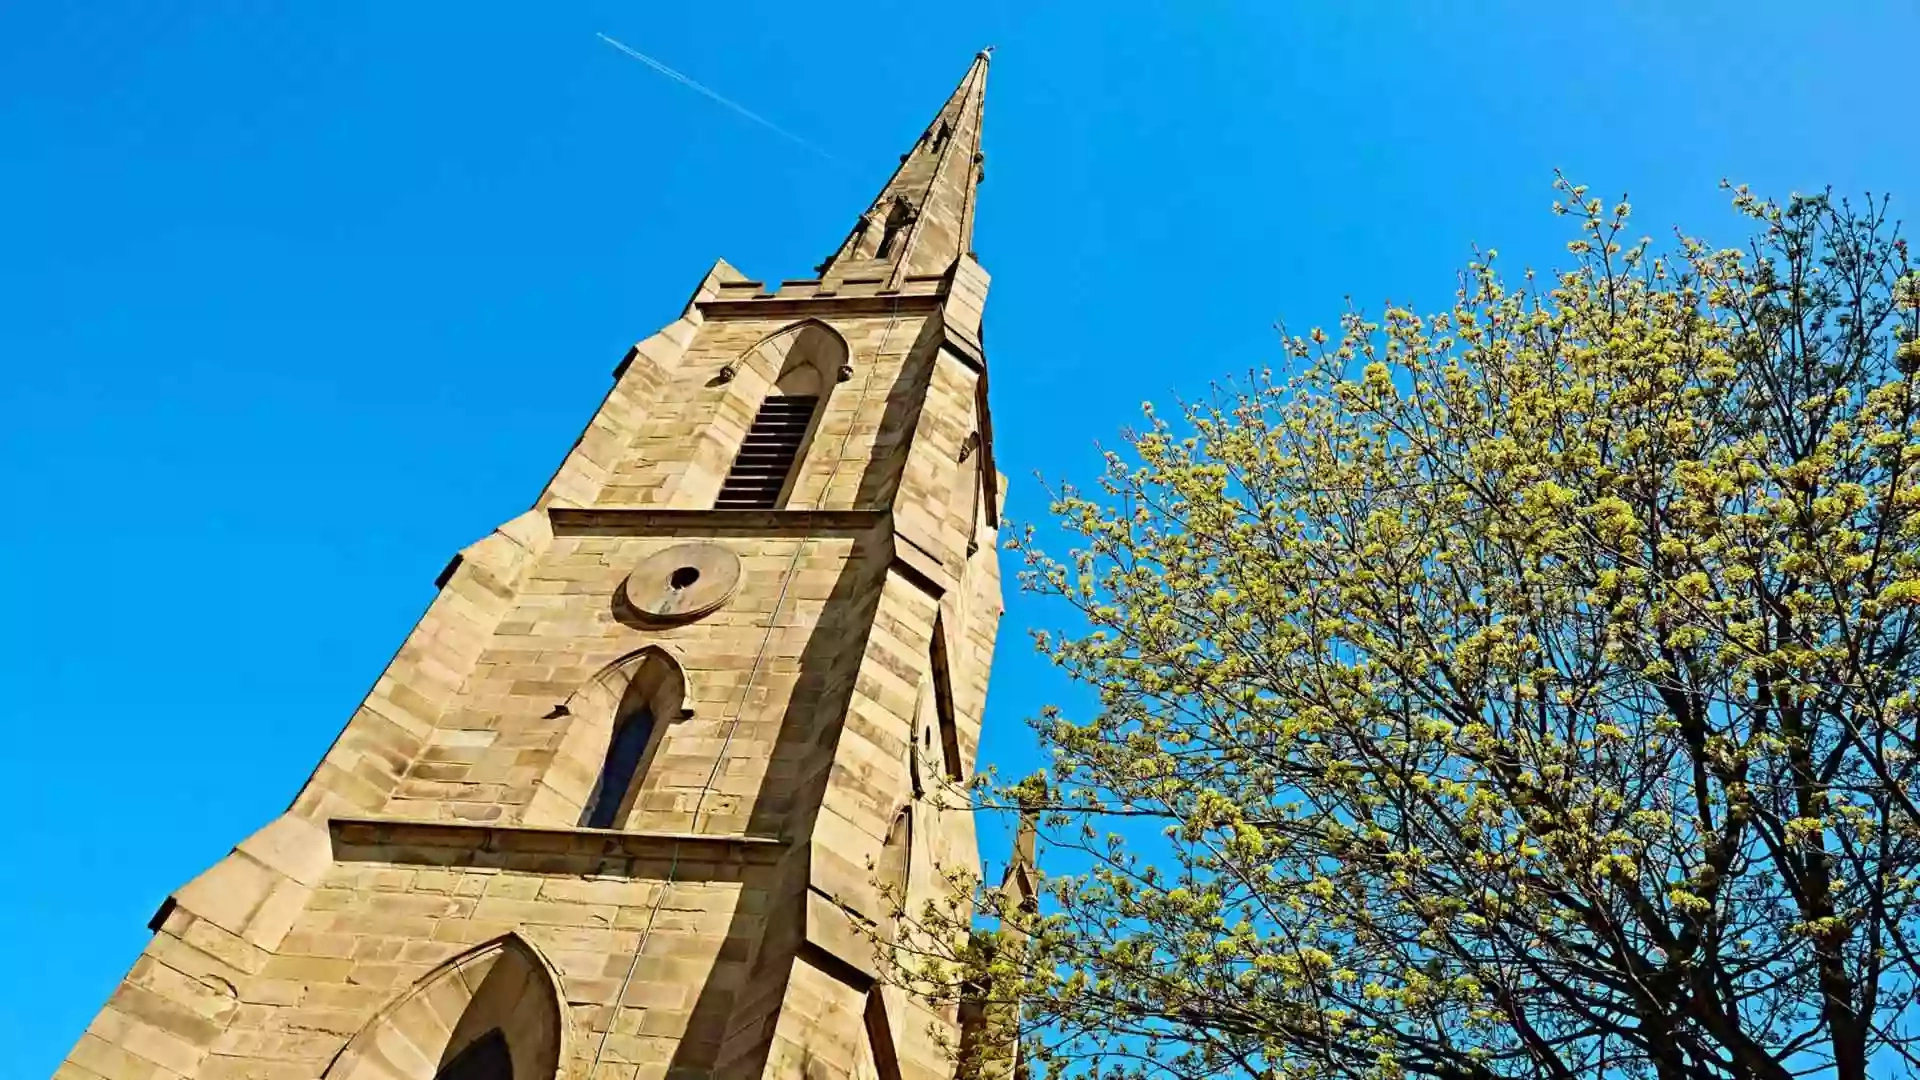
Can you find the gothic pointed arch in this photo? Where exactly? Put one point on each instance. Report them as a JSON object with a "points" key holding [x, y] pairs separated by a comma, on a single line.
{"points": [[615, 722], [801, 363], [808, 342], [494, 1012]]}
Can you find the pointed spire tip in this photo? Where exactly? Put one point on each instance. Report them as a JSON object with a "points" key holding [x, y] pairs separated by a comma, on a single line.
{"points": [[923, 219]]}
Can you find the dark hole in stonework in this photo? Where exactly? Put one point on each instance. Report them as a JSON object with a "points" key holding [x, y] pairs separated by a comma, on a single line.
{"points": [[629, 745], [485, 1058], [684, 577]]}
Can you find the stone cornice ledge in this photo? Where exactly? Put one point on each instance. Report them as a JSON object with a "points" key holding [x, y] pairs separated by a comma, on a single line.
{"points": [[909, 557], [638, 521], [859, 304], [416, 840]]}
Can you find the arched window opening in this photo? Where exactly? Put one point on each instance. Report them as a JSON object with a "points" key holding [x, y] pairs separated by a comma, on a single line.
{"points": [[494, 1013], [940, 137], [485, 1058], [812, 358], [890, 871], [655, 690]]}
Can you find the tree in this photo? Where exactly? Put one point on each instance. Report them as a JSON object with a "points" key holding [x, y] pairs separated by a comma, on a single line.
{"points": [[1529, 689]]}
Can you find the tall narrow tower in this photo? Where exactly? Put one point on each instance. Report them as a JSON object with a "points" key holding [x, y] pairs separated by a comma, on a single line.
{"points": [[618, 807]]}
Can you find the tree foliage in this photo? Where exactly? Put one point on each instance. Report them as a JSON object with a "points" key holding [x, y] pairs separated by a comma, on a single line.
{"points": [[1527, 689]]}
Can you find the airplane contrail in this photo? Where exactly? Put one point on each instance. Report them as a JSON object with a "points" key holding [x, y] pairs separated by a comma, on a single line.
{"points": [[705, 92]]}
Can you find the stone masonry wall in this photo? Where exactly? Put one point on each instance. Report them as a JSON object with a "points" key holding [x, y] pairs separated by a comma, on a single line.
{"points": [[722, 928]]}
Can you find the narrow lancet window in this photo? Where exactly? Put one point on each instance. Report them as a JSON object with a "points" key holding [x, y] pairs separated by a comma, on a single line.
{"points": [[891, 870], [629, 745]]}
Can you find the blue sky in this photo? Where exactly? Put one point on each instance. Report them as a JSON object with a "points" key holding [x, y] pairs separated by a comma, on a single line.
{"points": [[297, 302]]}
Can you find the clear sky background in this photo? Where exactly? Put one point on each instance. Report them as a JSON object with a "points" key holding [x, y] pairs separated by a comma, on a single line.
{"points": [[296, 303]]}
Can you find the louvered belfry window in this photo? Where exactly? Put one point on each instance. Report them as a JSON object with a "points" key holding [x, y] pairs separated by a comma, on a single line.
{"points": [[759, 474]]}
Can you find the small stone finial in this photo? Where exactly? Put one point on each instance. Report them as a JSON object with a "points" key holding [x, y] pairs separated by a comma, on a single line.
{"points": [[984, 54], [846, 372]]}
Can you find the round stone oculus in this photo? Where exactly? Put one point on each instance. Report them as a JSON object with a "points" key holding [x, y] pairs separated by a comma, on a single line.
{"points": [[683, 582]]}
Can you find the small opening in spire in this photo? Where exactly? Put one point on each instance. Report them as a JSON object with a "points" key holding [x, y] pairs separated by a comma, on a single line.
{"points": [[898, 219], [940, 136]]}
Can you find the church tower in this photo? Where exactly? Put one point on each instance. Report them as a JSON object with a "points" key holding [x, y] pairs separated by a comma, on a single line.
{"points": [[629, 799]]}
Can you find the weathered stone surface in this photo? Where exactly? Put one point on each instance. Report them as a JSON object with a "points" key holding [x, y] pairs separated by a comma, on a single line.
{"points": [[811, 677]]}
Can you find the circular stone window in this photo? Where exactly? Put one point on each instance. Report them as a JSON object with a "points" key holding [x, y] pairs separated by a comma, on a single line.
{"points": [[683, 582]]}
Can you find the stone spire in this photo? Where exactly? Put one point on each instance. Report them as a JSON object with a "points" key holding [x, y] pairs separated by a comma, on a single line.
{"points": [[923, 219]]}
